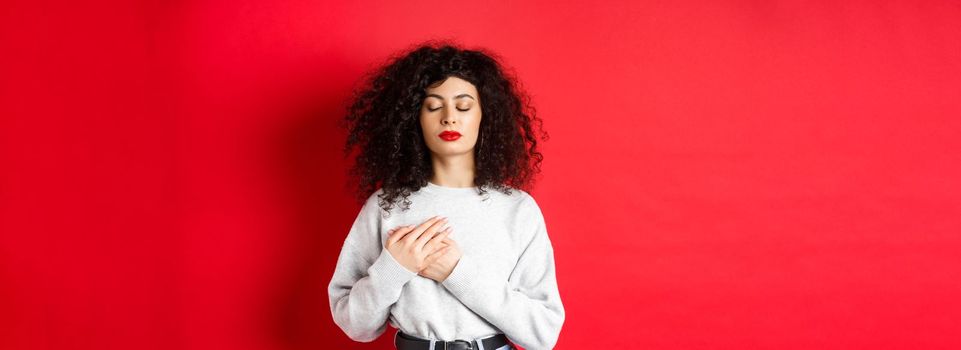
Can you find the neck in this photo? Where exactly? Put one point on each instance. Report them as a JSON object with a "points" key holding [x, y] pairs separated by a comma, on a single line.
{"points": [[453, 171]]}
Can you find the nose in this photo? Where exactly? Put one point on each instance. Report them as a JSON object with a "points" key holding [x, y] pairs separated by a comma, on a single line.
{"points": [[448, 118]]}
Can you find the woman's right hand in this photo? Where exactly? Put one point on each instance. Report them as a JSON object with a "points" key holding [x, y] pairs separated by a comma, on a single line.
{"points": [[414, 246]]}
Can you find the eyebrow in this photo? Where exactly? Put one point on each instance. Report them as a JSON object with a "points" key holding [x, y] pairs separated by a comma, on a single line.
{"points": [[455, 97]]}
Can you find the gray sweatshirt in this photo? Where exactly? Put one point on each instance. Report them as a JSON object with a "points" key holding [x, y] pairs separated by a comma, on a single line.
{"points": [[503, 283]]}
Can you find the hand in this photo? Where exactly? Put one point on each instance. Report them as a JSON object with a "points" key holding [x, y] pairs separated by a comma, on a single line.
{"points": [[415, 247], [441, 267]]}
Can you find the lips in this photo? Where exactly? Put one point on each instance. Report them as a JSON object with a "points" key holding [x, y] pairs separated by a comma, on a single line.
{"points": [[448, 135]]}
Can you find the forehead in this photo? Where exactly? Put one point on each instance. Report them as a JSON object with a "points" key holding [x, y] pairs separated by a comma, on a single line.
{"points": [[451, 87]]}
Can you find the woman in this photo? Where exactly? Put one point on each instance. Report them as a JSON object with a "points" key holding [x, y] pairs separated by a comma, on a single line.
{"points": [[458, 266]]}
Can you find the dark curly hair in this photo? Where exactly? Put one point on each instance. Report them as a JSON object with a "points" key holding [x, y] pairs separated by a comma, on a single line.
{"points": [[383, 121]]}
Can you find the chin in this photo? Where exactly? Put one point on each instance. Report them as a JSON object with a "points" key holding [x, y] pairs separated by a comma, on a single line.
{"points": [[452, 151]]}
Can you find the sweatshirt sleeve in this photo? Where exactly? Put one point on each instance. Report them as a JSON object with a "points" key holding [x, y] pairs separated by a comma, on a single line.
{"points": [[527, 307], [367, 279]]}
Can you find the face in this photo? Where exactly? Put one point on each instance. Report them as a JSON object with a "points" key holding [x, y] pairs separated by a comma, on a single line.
{"points": [[451, 108]]}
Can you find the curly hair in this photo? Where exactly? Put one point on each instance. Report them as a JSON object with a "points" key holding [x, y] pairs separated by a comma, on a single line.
{"points": [[383, 117]]}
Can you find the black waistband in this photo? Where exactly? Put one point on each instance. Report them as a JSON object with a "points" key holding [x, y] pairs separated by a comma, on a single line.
{"points": [[404, 341]]}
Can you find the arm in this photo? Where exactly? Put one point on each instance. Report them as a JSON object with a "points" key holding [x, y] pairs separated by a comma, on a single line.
{"points": [[366, 281], [527, 307]]}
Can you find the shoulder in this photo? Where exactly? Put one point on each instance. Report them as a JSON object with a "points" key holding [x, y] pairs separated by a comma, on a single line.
{"points": [[371, 208], [525, 200], [511, 196], [526, 216], [374, 198], [522, 206]]}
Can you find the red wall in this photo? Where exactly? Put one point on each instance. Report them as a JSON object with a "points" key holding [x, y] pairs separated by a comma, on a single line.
{"points": [[720, 175]]}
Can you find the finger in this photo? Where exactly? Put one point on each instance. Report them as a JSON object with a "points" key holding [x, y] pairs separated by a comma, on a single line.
{"points": [[435, 255], [430, 233], [398, 234], [438, 240], [420, 229], [449, 241]]}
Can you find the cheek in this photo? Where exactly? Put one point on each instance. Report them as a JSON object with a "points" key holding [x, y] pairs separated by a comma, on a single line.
{"points": [[424, 129], [476, 121], [424, 120]]}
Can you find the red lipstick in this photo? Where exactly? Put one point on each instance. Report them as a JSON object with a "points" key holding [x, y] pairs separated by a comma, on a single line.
{"points": [[448, 135]]}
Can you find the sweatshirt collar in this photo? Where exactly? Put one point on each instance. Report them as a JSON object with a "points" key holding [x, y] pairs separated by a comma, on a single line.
{"points": [[437, 189]]}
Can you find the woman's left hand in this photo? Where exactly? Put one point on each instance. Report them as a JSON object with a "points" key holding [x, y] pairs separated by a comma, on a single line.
{"points": [[442, 267]]}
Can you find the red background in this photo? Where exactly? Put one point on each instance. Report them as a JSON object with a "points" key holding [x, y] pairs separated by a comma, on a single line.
{"points": [[720, 175]]}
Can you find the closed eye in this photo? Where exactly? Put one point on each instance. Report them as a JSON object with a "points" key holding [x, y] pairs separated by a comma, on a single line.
{"points": [[462, 110]]}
